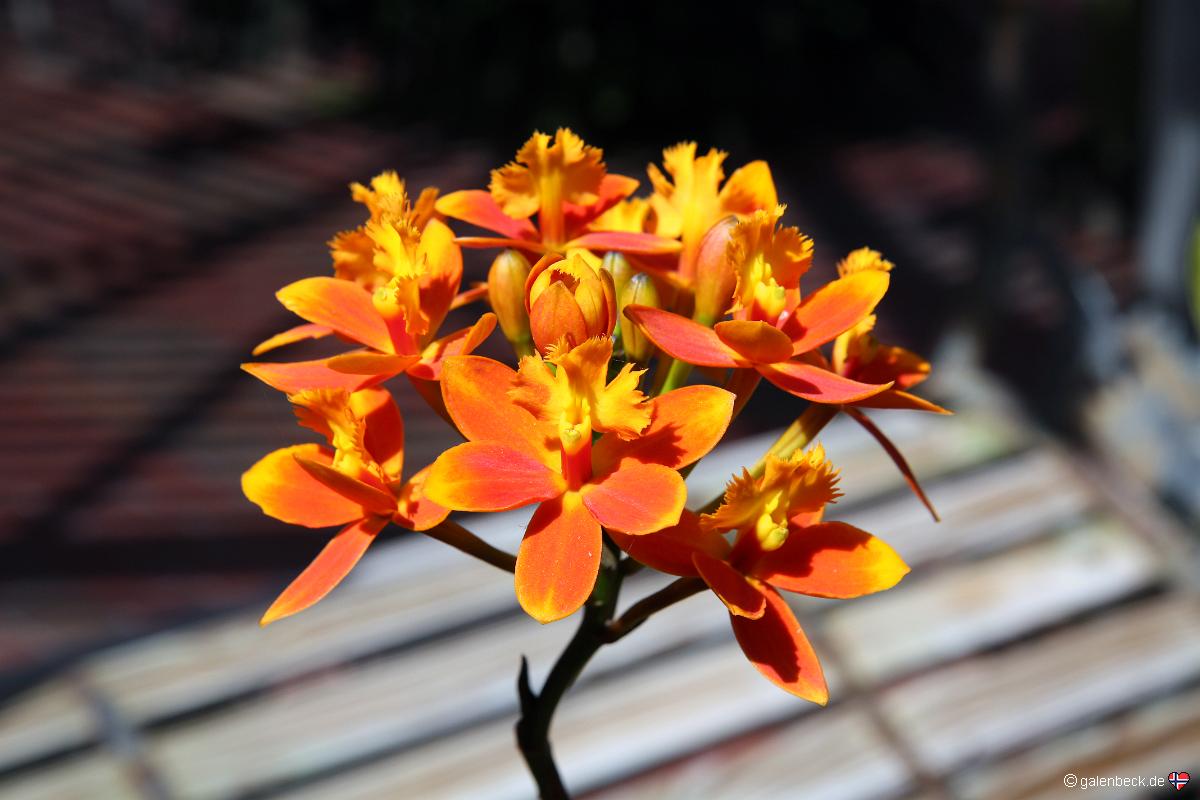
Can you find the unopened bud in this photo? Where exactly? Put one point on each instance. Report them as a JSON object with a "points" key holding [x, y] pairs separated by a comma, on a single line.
{"points": [[715, 275], [506, 293], [617, 265], [569, 300], [640, 291]]}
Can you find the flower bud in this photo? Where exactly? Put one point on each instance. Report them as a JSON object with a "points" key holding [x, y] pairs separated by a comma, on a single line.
{"points": [[715, 276], [640, 290], [617, 265], [569, 301], [506, 293]]}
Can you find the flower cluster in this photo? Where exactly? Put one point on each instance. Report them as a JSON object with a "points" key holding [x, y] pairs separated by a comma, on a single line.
{"points": [[608, 300]]}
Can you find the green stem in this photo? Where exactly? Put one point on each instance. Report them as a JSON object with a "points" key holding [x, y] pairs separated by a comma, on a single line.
{"points": [[537, 710], [677, 374]]}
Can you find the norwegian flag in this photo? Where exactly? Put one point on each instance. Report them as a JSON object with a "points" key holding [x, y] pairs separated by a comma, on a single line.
{"points": [[1178, 780]]}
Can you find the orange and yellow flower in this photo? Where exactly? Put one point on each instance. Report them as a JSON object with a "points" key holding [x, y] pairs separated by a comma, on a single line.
{"points": [[569, 300], [781, 543], [391, 298], [530, 440], [355, 482], [565, 184], [773, 331]]}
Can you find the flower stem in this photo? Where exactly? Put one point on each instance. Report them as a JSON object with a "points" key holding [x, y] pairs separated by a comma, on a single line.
{"points": [[537, 710], [640, 611], [458, 537]]}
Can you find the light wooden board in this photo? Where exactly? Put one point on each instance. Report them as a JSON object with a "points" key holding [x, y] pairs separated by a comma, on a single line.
{"points": [[48, 719], [981, 708], [952, 613]]}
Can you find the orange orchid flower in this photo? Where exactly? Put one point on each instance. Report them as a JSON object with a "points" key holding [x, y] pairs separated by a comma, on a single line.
{"points": [[693, 199], [530, 441], [781, 543], [562, 181], [392, 301], [773, 331], [859, 356], [355, 482]]}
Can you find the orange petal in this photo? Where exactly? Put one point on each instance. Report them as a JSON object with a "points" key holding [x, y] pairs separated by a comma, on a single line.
{"points": [[414, 510], [299, 333], [670, 550], [897, 458], [480, 242], [298, 376], [739, 594], [816, 384], [749, 189], [476, 393], [443, 272], [372, 499], [478, 208], [613, 189], [832, 559], [343, 306], [777, 646], [646, 244], [683, 339], [834, 308], [756, 341], [490, 476], [895, 398], [559, 559], [637, 498], [685, 424], [555, 315], [459, 343], [384, 428], [326, 571], [284, 490], [476, 292], [368, 362]]}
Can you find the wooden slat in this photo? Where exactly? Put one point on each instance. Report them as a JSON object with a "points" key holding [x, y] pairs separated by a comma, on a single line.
{"points": [[49, 719], [666, 710], [1156, 740], [91, 777], [986, 706], [836, 754], [976, 606]]}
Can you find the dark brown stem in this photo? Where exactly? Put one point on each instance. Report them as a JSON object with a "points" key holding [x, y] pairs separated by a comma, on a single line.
{"points": [[458, 537], [640, 611], [537, 710]]}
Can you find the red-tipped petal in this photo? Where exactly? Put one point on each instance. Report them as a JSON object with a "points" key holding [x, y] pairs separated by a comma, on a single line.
{"points": [[613, 189], [326, 571], [646, 244], [481, 242], [297, 334], [671, 549], [739, 594], [298, 376], [684, 339], [368, 362], [897, 458], [476, 393], [816, 384], [559, 559], [490, 476], [284, 490], [636, 498], [468, 296], [834, 308], [414, 510], [372, 499], [778, 648], [755, 340], [895, 398], [832, 559], [459, 343], [478, 208], [685, 424], [342, 306]]}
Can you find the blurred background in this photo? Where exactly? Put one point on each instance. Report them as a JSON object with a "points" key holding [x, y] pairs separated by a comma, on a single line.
{"points": [[1033, 169]]}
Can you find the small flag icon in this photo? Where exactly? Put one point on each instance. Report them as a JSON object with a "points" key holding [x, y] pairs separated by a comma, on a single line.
{"points": [[1178, 780]]}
